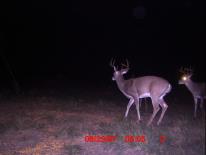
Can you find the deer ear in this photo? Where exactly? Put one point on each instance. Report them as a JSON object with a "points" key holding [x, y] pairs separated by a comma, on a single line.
{"points": [[124, 71], [190, 76]]}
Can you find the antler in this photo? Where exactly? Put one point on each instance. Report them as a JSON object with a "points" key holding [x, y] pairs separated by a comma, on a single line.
{"points": [[112, 62], [127, 64], [186, 70]]}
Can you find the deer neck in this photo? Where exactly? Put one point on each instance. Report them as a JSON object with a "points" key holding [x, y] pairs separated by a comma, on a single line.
{"points": [[120, 82], [190, 85]]}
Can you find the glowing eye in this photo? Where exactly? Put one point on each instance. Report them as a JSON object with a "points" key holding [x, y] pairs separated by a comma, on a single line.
{"points": [[184, 78]]}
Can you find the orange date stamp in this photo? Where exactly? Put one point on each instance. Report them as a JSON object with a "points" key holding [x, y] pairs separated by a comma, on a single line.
{"points": [[126, 139], [100, 138], [137, 139]]}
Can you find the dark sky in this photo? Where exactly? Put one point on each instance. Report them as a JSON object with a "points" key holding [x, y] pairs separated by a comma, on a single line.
{"points": [[46, 38]]}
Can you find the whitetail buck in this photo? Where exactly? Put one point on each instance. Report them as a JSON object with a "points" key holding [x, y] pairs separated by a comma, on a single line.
{"points": [[147, 86], [198, 90]]}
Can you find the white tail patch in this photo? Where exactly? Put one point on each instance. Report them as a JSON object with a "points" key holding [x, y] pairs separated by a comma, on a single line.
{"points": [[166, 91]]}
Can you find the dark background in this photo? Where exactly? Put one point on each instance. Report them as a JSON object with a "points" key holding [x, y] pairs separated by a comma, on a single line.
{"points": [[74, 41]]}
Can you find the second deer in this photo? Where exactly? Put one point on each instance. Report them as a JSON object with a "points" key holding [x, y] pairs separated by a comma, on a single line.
{"points": [[198, 90]]}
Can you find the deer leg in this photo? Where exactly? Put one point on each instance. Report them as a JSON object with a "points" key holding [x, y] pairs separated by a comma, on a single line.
{"points": [[201, 104], [137, 108], [156, 108], [164, 108], [131, 101], [195, 111]]}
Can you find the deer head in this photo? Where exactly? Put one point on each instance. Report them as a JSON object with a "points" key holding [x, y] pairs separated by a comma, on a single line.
{"points": [[186, 75], [119, 73]]}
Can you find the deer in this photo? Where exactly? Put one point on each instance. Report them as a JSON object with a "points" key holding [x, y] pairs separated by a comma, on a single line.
{"points": [[198, 90], [141, 87]]}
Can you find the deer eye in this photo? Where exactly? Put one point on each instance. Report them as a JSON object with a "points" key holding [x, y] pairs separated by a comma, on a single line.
{"points": [[184, 78]]}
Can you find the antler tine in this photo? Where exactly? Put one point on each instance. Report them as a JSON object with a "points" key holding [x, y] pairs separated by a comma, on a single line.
{"points": [[127, 64], [186, 70], [181, 70], [112, 62]]}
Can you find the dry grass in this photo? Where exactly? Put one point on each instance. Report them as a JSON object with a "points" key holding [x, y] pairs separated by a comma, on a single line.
{"points": [[44, 124]]}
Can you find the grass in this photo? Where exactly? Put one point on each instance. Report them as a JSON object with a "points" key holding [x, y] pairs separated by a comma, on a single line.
{"points": [[73, 149], [48, 124]]}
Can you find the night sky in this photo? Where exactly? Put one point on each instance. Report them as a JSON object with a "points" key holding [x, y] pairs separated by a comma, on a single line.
{"points": [[42, 39]]}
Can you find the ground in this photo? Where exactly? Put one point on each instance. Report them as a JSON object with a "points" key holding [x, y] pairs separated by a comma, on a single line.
{"points": [[56, 122]]}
